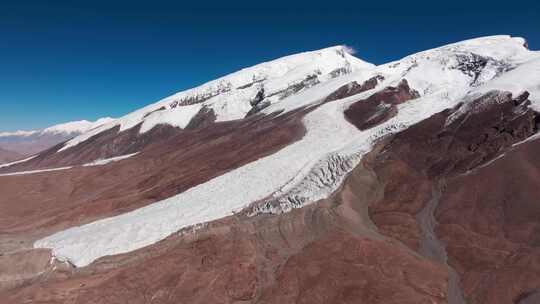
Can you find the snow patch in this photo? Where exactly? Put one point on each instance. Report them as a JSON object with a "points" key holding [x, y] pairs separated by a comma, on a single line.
{"points": [[18, 162], [101, 162], [74, 127], [35, 171]]}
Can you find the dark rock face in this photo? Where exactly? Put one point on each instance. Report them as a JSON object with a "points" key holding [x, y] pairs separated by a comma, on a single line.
{"points": [[258, 98], [258, 103], [450, 143], [379, 107], [473, 65], [157, 110], [396, 95], [354, 88], [191, 100], [203, 119], [257, 108], [248, 85], [308, 82], [339, 72], [369, 113]]}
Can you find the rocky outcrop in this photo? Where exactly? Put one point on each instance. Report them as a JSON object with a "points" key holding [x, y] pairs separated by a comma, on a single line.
{"points": [[258, 103], [308, 82], [354, 88], [221, 88], [473, 65], [204, 118], [460, 139], [379, 107]]}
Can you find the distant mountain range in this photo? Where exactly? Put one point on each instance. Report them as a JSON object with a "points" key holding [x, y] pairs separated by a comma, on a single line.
{"points": [[24, 143]]}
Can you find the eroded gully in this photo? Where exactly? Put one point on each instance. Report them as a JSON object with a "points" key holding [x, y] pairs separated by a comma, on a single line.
{"points": [[432, 248]]}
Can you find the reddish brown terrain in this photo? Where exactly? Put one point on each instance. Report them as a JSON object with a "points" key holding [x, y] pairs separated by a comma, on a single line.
{"points": [[378, 107], [7, 156]]}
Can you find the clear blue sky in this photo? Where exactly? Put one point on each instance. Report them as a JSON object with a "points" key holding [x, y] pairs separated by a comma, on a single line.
{"points": [[66, 61]]}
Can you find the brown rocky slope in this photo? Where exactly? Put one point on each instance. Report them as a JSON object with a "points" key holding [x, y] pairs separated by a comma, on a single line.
{"points": [[7, 156]]}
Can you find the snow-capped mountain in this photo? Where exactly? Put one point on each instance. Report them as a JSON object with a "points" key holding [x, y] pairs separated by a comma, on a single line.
{"points": [[312, 168], [243, 93], [30, 142], [315, 167]]}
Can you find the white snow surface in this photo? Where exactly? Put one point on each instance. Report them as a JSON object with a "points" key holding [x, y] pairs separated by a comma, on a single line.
{"points": [[311, 168], [35, 171], [17, 162], [98, 162], [177, 117], [101, 162]]}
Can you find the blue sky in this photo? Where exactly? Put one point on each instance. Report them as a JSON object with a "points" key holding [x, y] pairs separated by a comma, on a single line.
{"points": [[62, 61]]}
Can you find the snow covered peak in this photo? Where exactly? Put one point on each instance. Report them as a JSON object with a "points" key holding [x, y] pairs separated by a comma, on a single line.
{"points": [[69, 128], [322, 61], [246, 91], [499, 47], [470, 63], [279, 78], [313, 167], [80, 126]]}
